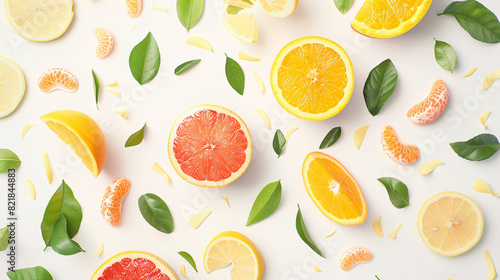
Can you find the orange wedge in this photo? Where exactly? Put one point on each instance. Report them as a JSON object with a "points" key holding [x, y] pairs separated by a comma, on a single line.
{"points": [[333, 189], [396, 149], [82, 133]]}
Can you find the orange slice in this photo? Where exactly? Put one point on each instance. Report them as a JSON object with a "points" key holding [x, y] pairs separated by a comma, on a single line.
{"points": [[432, 106], [111, 204], [396, 149], [104, 42], [210, 146], [57, 78], [134, 8], [388, 18], [82, 133], [312, 78], [353, 256], [333, 189]]}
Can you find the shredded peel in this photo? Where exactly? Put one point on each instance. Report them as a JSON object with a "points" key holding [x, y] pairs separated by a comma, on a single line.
{"points": [[244, 56], [199, 218], [25, 129], [122, 113], [31, 189], [46, 166], [260, 83], [160, 9], [394, 234], [114, 92], [470, 72], [226, 199], [429, 166], [316, 268], [484, 117], [359, 136], [157, 168], [482, 187], [377, 227], [99, 251], [491, 267], [200, 43], [331, 233], [265, 118], [113, 84], [490, 79], [183, 271]]}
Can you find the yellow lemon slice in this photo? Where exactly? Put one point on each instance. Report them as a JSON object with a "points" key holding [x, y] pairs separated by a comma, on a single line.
{"points": [[279, 8], [12, 86], [239, 20]]}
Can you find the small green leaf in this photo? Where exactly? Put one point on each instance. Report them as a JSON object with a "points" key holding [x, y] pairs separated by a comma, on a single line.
{"points": [[155, 211], [445, 56], [30, 273], [145, 59], [8, 160], [379, 86], [189, 259], [377, 277], [189, 12], [61, 242], [266, 203], [235, 75], [481, 23], [304, 235], [343, 5], [4, 238], [97, 87], [136, 138], [397, 190], [185, 66], [279, 142], [330, 138], [478, 148]]}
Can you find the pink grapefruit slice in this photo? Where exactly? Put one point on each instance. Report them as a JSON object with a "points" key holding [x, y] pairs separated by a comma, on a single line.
{"points": [[210, 146]]}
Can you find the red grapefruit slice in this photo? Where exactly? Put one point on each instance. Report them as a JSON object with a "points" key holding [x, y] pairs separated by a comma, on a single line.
{"points": [[210, 146]]}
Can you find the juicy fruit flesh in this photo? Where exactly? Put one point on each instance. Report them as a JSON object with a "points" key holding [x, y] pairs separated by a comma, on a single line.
{"points": [[57, 78], [396, 149], [111, 205], [273, 6], [9, 86], [104, 42], [210, 146], [134, 8], [133, 269], [353, 256], [244, 25], [387, 14], [312, 78], [429, 109], [228, 251], [334, 189]]}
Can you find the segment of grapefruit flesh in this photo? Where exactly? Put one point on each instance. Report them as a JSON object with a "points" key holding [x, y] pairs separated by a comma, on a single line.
{"points": [[133, 269]]}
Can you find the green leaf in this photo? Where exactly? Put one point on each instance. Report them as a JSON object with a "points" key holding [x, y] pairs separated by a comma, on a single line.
{"points": [[136, 138], [8, 160], [62, 202], [189, 259], [330, 138], [343, 5], [478, 148], [235, 75], [279, 142], [185, 66], [145, 60], [397, 190], [445, 56], [304, 235], [4, 238], [61, 242], [377, 277], [155, 211], [30, 273], [189, 12], [476, 19], [266, 202], [379, 86], [97, 87]]}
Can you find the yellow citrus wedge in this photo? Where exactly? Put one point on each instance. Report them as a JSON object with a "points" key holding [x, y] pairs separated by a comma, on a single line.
{"points": [[82, 133], [450, 223], [12, 86], [387, 18], [312, 78], [134, 265], [279, 8], [333, 189], [239, 20], [41, 20], [234, 248]]}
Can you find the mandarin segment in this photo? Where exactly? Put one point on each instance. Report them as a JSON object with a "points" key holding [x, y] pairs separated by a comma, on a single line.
{"points": [[353, 256], [396, 149], [57, 78], [111, 204], [432, 106], [134, 8], [104, 42]]}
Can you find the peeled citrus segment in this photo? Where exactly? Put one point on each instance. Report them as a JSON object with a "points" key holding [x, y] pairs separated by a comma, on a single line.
{"points": [[450, 223], [239, 21], [134, 8], [210, 146], [41, 20], [387, 18], [432, 106], [279, 8], [396, 149], [82, 133], [104, 42], [353, 256], [57, 78], [333, 189], [12, 86], [312, 78], [234, 248], [111, 204], [134, 265]]}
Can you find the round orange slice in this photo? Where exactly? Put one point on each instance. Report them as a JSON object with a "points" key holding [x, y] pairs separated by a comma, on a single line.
{"points": [[432, 106], [57, 78], [134, 8], [353, 256], [111, 204], [210, 146], [312, 78], [104, 42], [333, 189], [396, 149]]}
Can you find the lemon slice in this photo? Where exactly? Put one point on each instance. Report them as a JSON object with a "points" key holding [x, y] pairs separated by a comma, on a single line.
{"points": [[279, 8], [450, 223], [41, 20], [231, 247], [239, 21], [12, 86]]}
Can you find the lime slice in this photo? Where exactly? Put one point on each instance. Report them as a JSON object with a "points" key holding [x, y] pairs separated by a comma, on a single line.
{"points": [[12, 86]]}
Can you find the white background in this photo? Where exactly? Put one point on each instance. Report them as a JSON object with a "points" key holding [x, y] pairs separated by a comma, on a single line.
{"points": [[160, 102]]}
